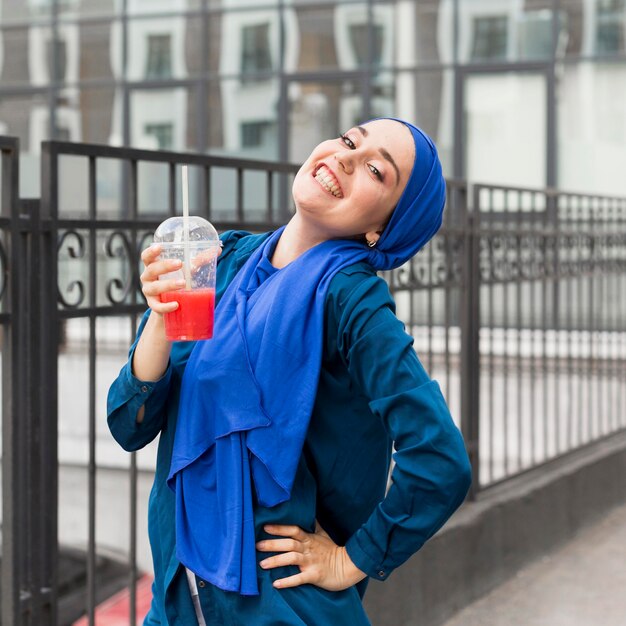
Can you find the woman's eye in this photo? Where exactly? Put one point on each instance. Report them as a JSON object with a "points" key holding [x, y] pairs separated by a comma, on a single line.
{"points": [[376, 172], [348, 142]]}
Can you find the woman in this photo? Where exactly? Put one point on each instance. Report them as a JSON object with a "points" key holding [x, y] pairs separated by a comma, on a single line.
{"points": [[276, 435]]}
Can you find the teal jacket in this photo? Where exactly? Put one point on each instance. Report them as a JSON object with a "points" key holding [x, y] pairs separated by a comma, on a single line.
{"points": [[373, 393]]}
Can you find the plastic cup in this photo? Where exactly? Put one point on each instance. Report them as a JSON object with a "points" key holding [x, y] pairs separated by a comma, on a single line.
{"points": [[193, 319]]}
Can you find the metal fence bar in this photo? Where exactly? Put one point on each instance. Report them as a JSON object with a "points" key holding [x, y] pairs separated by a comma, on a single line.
{"points": [[91, 488], [13, 371], [48, 363]]}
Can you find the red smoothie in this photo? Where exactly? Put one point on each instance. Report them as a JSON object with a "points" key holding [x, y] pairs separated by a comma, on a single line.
{"points": [[193, 319]]}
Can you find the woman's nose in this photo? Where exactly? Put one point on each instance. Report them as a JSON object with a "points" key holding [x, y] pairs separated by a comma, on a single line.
{"points": [[345, 162]]}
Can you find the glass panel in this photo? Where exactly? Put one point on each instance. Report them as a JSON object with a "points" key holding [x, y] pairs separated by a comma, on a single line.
{"points": [[100, 49], [245, 42], [428, 29], [505, 126], [320, 111], [535, 35], [161, 119], [318, 47], [25, 56], [490, 38], [99, 116], [160, 48], [505, 31], [20, 10], [610, 24], [157, 7], [575, 17], [75, 9], [164, 119], [242, 120], [27, 117], [592, 128]]}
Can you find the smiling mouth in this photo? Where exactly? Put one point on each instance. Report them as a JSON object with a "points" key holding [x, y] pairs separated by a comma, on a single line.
{"points": [[328, 181]]}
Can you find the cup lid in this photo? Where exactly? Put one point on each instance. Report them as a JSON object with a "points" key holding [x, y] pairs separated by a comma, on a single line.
{"points": [[171, 231]]}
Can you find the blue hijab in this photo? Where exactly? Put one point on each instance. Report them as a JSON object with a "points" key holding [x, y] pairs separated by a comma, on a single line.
{"points": [[247, 395]]}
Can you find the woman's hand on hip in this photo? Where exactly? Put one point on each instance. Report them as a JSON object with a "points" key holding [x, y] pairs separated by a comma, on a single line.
{"points": [[321, 561]]}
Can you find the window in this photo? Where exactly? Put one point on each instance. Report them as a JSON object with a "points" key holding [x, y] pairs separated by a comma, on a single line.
{"points": [[254, 133], [159, 62], [610, 26], [359, 41], [255, 48], [163, 133], [56, 50], [490, 38], [535, 34]]}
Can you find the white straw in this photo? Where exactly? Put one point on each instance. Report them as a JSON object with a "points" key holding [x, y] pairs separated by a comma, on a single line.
{"points": [[186, 262]]}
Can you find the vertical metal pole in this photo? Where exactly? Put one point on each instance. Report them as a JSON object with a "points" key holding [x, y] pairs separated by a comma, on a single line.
{"points": [[470, 326], [91, 541], [49, 345], [12, 398], [132, 556], [283, 119]]}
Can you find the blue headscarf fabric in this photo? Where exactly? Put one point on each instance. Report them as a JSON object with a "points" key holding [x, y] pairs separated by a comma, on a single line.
{"points": [[247, 395]]}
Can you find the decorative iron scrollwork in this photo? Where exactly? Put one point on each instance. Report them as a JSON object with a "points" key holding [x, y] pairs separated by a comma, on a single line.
{"points": [[122, 251], [77, 252]]}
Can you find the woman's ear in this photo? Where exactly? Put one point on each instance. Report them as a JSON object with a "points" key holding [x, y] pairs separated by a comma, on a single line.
{"points": [[372, 237]]}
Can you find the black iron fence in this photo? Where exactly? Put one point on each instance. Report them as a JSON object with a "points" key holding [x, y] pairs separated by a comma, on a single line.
{"points": [[517, 307]]}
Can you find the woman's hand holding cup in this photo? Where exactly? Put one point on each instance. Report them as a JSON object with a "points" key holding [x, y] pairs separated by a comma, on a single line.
{"points": [[152, 287]]}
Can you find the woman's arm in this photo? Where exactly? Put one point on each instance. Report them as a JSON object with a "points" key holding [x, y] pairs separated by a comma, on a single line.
{"points": [[432, 474], [136, 408]]}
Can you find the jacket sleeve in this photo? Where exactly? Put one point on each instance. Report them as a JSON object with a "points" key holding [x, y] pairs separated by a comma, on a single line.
{"points": [[127, 394], [432, 474]]}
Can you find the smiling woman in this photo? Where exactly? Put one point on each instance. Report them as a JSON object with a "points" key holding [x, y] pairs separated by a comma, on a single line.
{"points": [[270, 504]]}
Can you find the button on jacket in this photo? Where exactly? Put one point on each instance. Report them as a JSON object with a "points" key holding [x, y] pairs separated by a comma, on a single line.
{"points": [[373, 393]]}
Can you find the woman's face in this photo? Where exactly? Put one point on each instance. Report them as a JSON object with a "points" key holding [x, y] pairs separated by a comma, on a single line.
{"points": [[350, 185]]}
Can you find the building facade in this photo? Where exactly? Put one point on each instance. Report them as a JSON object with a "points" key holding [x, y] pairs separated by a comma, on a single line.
{"points": [[526, 92]]}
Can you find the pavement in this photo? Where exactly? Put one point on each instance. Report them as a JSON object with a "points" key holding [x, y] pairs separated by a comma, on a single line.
{"points": [[583, 583]]}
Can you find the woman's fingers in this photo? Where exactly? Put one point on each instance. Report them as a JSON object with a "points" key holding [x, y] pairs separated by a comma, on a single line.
{"points": [[279, 545], [154, 269], [157, 287], [286, 531], [280, 560], [151, 253], [161, 307], [293, 581]]}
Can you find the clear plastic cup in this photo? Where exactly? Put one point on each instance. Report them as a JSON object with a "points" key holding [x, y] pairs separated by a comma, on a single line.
{"points": [[193, 319]]}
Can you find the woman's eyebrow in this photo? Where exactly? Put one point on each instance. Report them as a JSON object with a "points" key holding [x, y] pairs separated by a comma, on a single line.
{"points": [[385, 154]]}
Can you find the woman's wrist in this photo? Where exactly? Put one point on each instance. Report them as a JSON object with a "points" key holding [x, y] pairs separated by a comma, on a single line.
{"points": [[153, 350], [352, 573]]}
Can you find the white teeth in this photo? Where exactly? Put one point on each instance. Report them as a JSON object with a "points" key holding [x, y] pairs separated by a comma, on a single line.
{"points": [[326, 179]]}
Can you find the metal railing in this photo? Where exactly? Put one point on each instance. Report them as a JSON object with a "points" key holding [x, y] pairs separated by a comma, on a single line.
{"points": [[516, 307]]}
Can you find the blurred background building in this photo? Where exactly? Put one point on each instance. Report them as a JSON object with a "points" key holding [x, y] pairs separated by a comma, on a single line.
{"points": [[526, 92]]}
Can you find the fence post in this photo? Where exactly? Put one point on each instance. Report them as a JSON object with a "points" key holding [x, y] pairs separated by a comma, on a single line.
{"points": [[470, 332], [14, 486], [49, 380]]}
